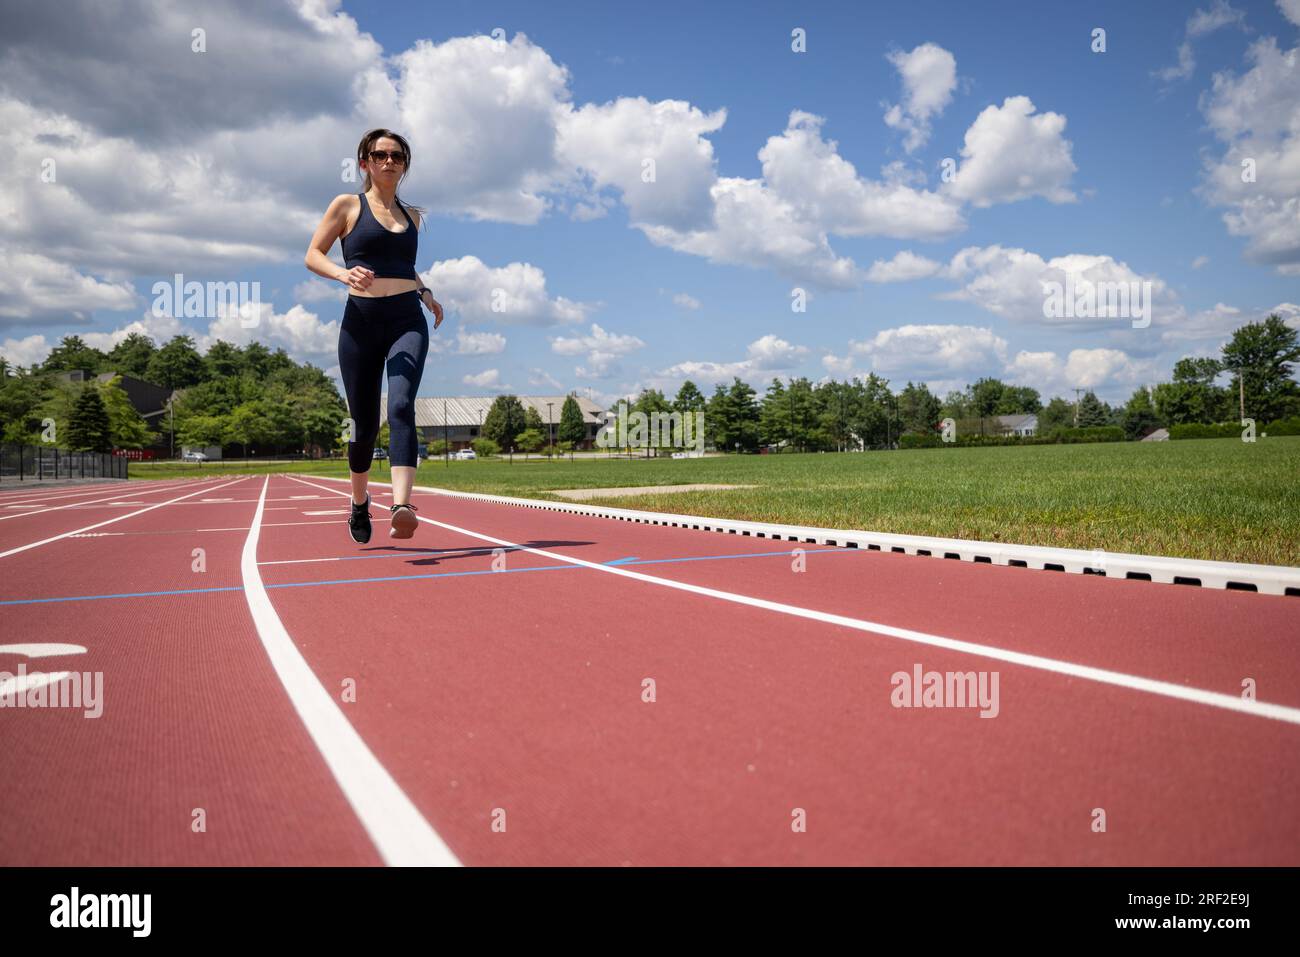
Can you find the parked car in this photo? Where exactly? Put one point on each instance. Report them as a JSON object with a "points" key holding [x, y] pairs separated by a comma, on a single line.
{"points": [[194, 457], [380, 454], [465, 454]]}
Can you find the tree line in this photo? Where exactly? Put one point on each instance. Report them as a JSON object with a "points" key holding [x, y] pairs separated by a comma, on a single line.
{"points": [[250, 397], [800, 415]]}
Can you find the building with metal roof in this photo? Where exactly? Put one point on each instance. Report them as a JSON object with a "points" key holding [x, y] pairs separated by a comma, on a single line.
{"points": [[459, 418]]}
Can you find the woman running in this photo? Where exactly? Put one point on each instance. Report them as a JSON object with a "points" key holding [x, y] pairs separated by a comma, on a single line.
{"points": [[383, 325]]}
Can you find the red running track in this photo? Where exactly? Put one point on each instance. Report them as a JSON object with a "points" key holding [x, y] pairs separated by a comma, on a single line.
{"points": [[498, 661]]}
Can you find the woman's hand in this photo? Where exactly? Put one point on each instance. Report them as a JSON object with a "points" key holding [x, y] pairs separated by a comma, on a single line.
{"points": [[433, 306], [358, 278]]}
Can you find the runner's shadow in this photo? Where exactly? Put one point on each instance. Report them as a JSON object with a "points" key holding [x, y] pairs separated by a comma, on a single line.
{"points": [[470, 551]]}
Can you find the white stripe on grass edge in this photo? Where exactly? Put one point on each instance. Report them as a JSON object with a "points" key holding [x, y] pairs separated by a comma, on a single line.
{"points": [[400, 833], [120, 518], [1214, 699]]}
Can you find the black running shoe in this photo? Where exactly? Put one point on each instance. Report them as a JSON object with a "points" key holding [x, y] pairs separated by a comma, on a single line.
{"points": [[404, 521], [359, 522]]}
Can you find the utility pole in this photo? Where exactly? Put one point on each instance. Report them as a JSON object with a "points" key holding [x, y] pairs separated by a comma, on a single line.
{"points": [[446, 438], [1076, 407], [171, 408], [550, 425]]}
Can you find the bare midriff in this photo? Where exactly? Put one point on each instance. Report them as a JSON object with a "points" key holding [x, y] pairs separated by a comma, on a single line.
{"points": [[387, 286]]}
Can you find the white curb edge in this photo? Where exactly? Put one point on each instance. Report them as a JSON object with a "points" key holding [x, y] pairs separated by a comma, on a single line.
{"points": [[1265, 579]]}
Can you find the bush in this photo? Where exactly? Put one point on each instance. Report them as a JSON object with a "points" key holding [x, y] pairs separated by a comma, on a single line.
{"points": [[437, 448], [485, 448], [1200, 430], [1289, 426], [1096, 433]]}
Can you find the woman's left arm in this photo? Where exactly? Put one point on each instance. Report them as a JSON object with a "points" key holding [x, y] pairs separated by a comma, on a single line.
{"points": [[426, 296]]}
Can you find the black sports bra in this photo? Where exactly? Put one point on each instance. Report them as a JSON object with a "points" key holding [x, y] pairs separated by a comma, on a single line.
{"points": [[387, 254]]}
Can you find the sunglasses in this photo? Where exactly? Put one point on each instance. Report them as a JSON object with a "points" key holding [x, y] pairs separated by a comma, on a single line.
{"points": [[378, 156]]}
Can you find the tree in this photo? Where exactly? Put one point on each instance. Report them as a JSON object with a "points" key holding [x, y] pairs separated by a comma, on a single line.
{"points": [[176, 365], [918, 409], [127, 430], [485, 448], [573, 427], [504, 421], [744, 415], [71, 354], [530, 440], [89, 429], [1092, 411], [223, 361], [775, 423], [1139, 418], [986, 395], [689, 398], [131, 356], [1057, 414], [1261, 354], [1019, 400]]}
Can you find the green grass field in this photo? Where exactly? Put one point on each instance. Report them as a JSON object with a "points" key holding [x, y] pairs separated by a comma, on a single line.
{"points": [[1209, 498]]}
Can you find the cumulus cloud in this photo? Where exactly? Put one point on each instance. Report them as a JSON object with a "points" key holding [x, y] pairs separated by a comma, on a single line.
{"points": [[35, 289], [930, 351], [1257, 117], [601, 348], [686, 301], [1290, 9], [1011, 283], [763, 358], [929, 76], [487, 379], [904, 267], [1012, 153], [514, 294], [320, 290]]}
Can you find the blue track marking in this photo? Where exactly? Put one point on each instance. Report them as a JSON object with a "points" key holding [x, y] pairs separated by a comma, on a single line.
{"points": [[401, 578]]}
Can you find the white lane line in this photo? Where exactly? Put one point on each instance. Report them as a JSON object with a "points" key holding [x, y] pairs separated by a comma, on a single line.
{"points": [[399, 831], [117, 494], [43, 649], [72, 491], [244, 528], [110, 521], [331, 512], [1214, 699]]}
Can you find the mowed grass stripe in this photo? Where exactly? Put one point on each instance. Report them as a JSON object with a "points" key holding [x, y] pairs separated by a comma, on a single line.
{"points": [[1217, 499]]}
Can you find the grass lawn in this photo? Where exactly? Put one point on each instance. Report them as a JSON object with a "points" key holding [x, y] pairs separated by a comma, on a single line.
{"points": [[1206, 498]]}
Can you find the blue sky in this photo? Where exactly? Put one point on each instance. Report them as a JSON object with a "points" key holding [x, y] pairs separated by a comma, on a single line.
{"points": [[1127, 156]]}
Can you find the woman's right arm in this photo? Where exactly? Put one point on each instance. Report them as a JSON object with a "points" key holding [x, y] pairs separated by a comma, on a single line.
{"points": [[330, 229]]}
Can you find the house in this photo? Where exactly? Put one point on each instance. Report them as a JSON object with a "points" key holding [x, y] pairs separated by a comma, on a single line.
{"points": [[465, 414], [1018, 424], [146, 398]]}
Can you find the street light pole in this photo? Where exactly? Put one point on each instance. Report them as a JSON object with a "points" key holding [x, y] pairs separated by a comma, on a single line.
{"points": [[550, 425]]}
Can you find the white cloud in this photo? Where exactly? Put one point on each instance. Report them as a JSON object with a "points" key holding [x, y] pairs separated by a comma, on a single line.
{"points": [[1010, 283], [1200, 261], [904, 267], [320, 290], [769, 354], [601, 348], [1290, 9], [686, 301], [1011, 153], [613, 142], [542, 378], [514, 294], [929, 75], [35, 289], [479, 343], [27, 351], [1201, 22], [931, 351], [1257, 117], [487, 379], [1106, 370]]}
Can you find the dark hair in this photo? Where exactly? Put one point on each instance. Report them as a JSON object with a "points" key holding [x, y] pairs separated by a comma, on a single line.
{"points": [[363, 154]]}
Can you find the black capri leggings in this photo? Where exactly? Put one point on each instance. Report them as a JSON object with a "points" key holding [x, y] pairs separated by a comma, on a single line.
{"points": [[385, 333]]}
